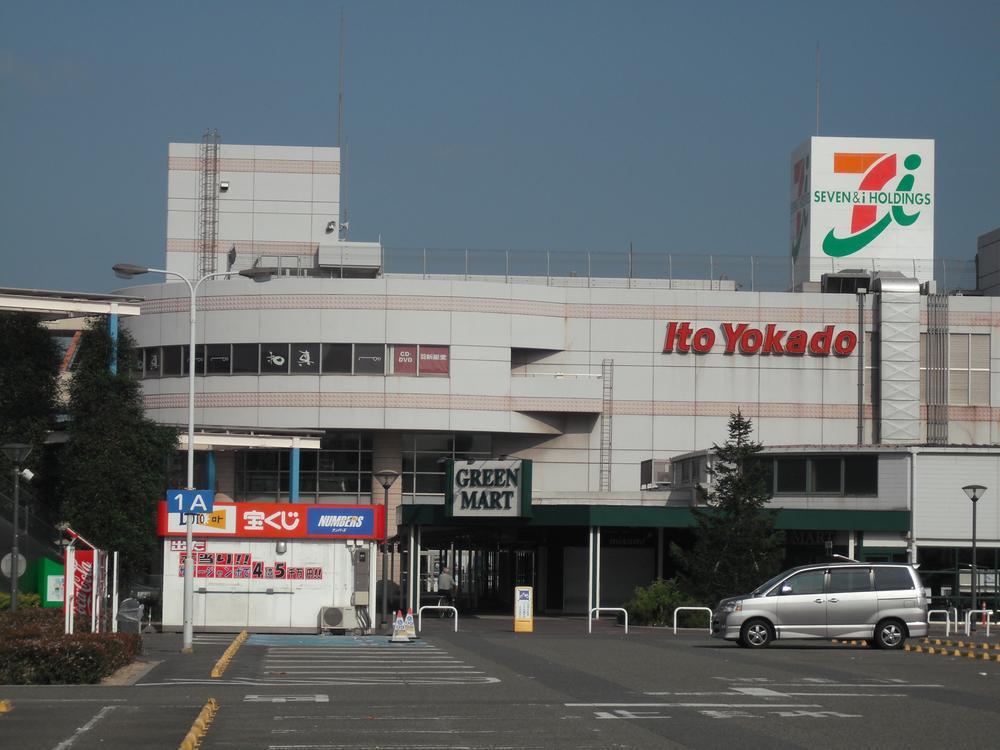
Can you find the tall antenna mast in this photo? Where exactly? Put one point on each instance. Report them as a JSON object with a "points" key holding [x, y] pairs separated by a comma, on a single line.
{"points": [[340, 132], [817, 88], [340, 90]]}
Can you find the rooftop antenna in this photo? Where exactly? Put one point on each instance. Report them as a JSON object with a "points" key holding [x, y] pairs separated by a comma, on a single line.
{"points": [[817, 88], [341, 144]]}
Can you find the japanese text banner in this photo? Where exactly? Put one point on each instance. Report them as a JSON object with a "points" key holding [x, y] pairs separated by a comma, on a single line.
{"points": [[279, 521]]}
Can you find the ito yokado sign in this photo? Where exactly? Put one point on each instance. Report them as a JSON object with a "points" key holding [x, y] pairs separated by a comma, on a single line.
{"points": [[862, 203]]}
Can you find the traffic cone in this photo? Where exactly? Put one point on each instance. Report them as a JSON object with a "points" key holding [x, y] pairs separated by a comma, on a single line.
{"points": [[411, 629], [399, 629]]}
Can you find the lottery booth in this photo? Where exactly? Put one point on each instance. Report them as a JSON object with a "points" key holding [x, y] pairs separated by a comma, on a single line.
{"points": [[274, 567]]}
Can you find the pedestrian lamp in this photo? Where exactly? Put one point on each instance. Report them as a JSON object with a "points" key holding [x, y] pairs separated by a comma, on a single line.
{"points": [[385, 477], [974, 491], [128, 271], [17, 453]]}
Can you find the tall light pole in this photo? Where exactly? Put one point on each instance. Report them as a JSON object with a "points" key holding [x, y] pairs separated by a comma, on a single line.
{"points": [[385, 477], [974, 491], [17, 453], [127, 271]]}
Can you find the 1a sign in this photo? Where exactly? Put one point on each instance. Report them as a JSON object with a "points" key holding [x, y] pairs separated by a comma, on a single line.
{"points": [[190, 501]]}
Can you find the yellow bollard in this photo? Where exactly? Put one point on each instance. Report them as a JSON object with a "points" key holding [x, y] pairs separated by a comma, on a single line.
{"points": [[919, 649], [931, 650], [957, 653], [906, 647]]}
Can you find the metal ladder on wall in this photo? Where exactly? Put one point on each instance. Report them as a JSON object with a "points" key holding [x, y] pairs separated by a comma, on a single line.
{"points": [[607, 402], [208, 203]]}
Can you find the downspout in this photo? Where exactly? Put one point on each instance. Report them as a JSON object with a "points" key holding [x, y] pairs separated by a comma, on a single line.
{"points": [[911, 542]]}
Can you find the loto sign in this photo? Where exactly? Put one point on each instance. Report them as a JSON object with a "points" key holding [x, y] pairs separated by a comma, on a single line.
{"points": [[769, 339]]}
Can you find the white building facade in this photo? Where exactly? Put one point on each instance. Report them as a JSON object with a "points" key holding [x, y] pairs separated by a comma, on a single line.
{"points": [[876, 406]]}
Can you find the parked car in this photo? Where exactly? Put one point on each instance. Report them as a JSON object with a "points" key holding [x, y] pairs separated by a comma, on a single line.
{"points": [[883, 602]]}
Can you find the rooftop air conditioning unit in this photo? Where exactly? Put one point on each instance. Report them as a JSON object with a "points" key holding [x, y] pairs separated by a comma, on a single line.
{"points": [[654, 473], [338, 618]]}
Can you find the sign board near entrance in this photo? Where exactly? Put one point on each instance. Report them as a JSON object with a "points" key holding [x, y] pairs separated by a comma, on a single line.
{"points": [[488, 489]]}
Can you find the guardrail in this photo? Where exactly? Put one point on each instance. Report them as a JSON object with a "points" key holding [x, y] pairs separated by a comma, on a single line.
{"points": [[420, 614], [590, 616], [694, 609], [947, 619], [968, 619]]}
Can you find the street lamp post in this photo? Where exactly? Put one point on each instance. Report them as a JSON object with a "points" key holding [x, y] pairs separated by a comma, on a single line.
{"points": [[974, 491], [17, 453], [127, 271], [385, 477]]}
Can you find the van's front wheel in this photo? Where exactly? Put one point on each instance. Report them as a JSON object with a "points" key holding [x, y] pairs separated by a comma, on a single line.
{"points": [[890, 634], [756, 634]]}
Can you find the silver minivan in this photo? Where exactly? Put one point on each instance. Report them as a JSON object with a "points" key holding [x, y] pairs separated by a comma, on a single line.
{"points": [[883, 602]]}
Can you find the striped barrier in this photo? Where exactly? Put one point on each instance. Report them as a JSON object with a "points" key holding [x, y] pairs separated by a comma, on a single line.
{"points": [[229, 653]]}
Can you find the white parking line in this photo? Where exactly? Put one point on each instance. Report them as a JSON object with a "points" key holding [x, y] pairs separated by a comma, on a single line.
{"points": [[67, 743]]}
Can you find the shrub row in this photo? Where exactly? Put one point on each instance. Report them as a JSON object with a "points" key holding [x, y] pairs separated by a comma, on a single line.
{"points": [[24, 601], [34, 651], [655, 605]]}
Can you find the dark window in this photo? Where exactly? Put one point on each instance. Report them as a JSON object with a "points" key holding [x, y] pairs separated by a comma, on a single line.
{"points": [[305, 358], [153, 362], [846, 580], [219, 359], [199, 359], [861, 475], [893, 579], [369, 359], [806, 582], [172, 358], [273, 358], [245, 359], [826, 475], [336, 358], [791, 474]]}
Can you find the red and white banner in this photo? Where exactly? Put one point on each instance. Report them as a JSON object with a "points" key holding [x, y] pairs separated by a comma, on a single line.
{"points": [[278, 521], [83, 581]]}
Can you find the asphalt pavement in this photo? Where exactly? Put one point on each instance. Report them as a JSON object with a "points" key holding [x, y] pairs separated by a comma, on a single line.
{"points": [[486, 687]]}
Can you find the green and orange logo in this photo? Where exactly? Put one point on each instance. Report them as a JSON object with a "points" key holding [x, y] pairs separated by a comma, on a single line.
{"points": [[866, 224]]}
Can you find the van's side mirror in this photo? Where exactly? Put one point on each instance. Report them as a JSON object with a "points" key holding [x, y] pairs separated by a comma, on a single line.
{"points": [[786, 589]]}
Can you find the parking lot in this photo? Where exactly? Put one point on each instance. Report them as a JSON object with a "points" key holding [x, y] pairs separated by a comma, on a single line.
{"points": [[486, 687]]}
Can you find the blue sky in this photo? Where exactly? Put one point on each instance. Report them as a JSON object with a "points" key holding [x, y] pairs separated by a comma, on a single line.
{"points": [[525, 125]]}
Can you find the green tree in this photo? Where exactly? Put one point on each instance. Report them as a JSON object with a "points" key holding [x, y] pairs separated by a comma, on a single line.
{"points": [[736, 546], [29, 372], [115, 464]]}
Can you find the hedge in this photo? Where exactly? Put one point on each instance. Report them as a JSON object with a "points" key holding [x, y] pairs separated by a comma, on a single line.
{"points": [[34, 651]]}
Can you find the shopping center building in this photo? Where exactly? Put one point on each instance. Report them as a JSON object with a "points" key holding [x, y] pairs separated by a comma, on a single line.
{"points": [[551, 417]]}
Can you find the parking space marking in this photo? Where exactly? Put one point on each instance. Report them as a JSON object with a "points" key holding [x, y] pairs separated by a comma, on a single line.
{"points": [[318, 698], [69, 741]]}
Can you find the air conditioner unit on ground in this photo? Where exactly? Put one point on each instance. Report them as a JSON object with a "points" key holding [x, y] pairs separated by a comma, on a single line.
{"points": [[338, 618]]}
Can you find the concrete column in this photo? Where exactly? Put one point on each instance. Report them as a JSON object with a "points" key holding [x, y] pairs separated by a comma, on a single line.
{"points": [[225, 474]]}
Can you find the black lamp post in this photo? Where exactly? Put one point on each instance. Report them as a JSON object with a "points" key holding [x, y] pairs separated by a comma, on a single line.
{"points": [[974, 491], [17, 453], [385, 477]]}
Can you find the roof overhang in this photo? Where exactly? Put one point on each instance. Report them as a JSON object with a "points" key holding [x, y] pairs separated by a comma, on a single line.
{"points": [[48, 302], [226, 440]]}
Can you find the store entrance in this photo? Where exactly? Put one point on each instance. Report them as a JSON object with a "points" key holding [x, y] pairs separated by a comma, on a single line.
{"points": [[485, 570]]}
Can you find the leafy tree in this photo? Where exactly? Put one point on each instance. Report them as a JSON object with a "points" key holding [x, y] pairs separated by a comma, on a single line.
{"points": [[115, 465], [736, 545], [29, 372]]}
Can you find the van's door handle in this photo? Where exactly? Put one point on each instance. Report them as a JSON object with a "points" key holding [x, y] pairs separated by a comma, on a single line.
{"points": [[818, 601], [833, 599]]}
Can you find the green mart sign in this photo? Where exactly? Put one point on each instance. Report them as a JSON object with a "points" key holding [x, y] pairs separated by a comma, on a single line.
{"points": [[488, 489]]}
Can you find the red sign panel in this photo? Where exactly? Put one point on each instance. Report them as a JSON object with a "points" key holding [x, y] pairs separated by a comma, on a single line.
{"points": [[278, 521], [404, 359], [434, 360], [83, 581]]}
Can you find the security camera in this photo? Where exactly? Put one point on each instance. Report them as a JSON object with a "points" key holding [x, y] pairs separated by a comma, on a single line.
{"points": [[331, 227], [27, 475], [223, 186]]}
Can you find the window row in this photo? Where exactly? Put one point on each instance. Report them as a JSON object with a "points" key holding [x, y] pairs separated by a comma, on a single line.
{"points": [[297, 359], [822, 475]]}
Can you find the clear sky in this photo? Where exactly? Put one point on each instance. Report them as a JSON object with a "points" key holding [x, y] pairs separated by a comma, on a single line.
{"points": [[525, 125]]}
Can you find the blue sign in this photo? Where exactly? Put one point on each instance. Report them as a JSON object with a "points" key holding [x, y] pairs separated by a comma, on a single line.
{"points": [[341, 522], [190, 501]]}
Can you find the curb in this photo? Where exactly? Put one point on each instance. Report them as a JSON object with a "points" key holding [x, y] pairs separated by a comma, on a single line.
{"points": [[227, 656], [200, 726]]}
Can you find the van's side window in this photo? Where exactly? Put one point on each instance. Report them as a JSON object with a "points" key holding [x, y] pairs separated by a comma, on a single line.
{"points": [[806, 582], [893, 579], [846, 580]]}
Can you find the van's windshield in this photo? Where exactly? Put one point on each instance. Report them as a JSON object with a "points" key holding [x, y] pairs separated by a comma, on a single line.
{"points": [[765, 586]]}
